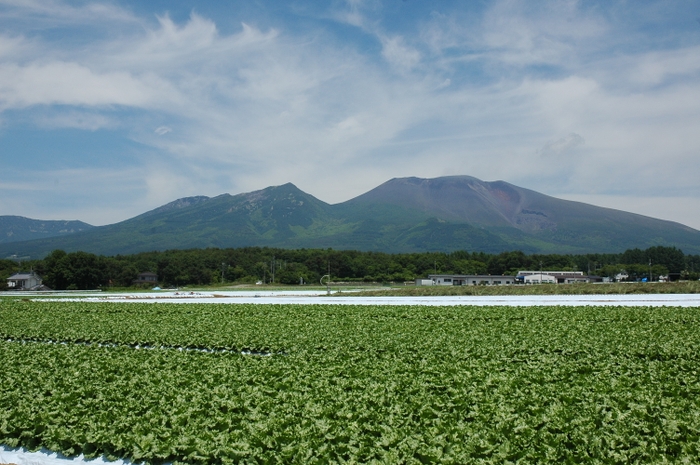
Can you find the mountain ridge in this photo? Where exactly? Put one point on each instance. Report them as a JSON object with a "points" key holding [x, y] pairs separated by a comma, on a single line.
{"points": [[15, 228], [401, 215]]}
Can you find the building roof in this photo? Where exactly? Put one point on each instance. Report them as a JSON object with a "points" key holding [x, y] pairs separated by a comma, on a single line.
{"points": [[551, 273], [451, 275], [24, 275]]}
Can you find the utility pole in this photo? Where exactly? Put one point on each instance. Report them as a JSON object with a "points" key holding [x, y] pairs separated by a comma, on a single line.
{"points": [[328, 283], [273, 269], [651, 277], [328, 280], [223, 269]]}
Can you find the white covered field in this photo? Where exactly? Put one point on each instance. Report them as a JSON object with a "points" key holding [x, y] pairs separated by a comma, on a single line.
{"points": [[308, 297]]}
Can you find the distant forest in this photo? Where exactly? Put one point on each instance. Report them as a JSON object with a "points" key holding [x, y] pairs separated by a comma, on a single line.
{"points": [[177, 268]]}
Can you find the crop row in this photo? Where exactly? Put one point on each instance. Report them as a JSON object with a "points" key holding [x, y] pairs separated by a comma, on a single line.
{"points": [[357, 384], [278, 328]]}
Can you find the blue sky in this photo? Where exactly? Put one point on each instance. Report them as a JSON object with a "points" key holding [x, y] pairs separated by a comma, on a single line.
{"points": [[109, 109]]}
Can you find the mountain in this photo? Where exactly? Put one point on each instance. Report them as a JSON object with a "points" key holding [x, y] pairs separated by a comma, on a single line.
{"points": [[18, 228], [401, 215], [268, 217], [524, 219]]}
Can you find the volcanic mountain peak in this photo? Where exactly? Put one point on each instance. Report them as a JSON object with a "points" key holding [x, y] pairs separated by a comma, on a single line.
{"points": [[462, 199]]}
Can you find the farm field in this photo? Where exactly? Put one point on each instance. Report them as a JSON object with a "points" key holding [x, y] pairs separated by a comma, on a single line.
{"points": [[244, 383]]}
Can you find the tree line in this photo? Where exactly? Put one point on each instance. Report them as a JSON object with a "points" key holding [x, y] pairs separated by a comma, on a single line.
{"points": [[177, 268]]}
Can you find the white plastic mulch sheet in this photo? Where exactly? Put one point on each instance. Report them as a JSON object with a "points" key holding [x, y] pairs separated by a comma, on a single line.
{"points": [[45, 457], [346, 298]]}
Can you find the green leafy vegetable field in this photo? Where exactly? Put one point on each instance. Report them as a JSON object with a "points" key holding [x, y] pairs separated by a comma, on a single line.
{"points": [[207, 383]]}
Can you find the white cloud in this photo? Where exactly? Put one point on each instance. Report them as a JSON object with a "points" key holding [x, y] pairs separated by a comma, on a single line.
{"points": [[162, 130], [12, 47], [445, 83], [520, 33], [168, 47], [398, 54], [654, 68], [351, 14], [165, 184], [562, 146], [73, 84]]}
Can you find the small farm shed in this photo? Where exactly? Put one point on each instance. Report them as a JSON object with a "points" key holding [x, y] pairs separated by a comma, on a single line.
{"points": [[25, 281]]}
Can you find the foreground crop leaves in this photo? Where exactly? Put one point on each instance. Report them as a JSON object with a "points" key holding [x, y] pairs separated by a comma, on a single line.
{"points": [[352, 384]]}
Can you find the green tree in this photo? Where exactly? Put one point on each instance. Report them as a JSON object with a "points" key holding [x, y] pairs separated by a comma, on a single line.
{"points": [[126, 275], [58, 274], [87, 271], [292, 273], [670, 257], [7, 269], [509, 263]]}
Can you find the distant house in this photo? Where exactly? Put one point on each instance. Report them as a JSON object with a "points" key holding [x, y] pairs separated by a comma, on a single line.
{"points": [[146, 278], [25, 281]]}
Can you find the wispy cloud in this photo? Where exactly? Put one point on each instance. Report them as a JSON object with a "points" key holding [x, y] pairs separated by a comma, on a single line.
{"points": [[562, 146], [51, 13], [399, 54]]}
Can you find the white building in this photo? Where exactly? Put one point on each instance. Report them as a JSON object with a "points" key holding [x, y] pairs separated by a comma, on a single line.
{"points": [[465, 280], [539, 278], [24, 281], [551, 277]]}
